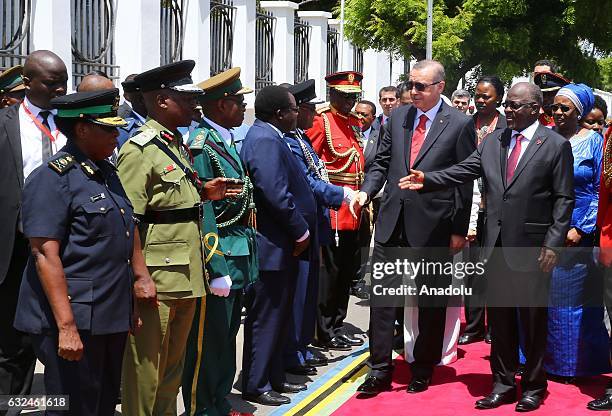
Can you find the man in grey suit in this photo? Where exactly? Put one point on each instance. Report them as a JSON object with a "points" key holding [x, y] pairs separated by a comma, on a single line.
{"points": [[528, 174], [428, 135]]}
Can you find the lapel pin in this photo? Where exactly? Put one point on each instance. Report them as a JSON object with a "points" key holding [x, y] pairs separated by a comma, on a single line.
{"points": [[539, 142]]}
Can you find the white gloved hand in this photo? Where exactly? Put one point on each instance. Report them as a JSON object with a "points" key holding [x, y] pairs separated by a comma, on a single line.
{"points": [[348, 194], [221, 286]]}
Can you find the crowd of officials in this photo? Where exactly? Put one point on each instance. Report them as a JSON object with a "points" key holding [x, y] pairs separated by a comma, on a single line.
{"points": [[136, 234]]}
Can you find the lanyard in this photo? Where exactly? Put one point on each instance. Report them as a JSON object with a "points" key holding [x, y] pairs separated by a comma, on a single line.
{"points": [[40, 126]]}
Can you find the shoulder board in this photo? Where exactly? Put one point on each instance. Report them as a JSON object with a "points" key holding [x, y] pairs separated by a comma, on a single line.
{"points": [[323, 109], [198, 137], [61, 162], [144, 137]]}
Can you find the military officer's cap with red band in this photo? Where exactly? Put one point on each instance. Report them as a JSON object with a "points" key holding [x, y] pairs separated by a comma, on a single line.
{"points": [[345, 81]]}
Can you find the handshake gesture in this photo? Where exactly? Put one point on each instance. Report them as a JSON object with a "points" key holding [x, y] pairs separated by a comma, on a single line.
{"points": [[414, 181]]}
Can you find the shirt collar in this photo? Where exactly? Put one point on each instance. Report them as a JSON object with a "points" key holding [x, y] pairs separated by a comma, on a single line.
{"points": [[431, 113], [528, 132], [34, 109], [366, 133], [280, 133], [225, 133]]}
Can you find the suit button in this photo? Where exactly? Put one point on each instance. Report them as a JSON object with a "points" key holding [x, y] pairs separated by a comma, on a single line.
{"points": [[69, 297], [102, 209], [505, 198], [122, 211], [229, 252], [498, 222], [167, 260], [129, 261], [127, 234]]}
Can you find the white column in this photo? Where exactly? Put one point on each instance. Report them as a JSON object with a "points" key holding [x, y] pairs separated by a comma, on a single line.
{"points": [[397, 69], [137, 35], [345, 64], [196, 44], [318, 47], [50, 29], [243, 54], [376, 74], [283, 65]]}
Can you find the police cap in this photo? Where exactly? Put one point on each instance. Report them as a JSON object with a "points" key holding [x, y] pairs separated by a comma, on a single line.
{"points": [[175, 76], [99, 107], [304, 92], [12, 79]]}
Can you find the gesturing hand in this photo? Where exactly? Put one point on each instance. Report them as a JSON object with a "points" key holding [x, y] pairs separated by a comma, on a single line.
{"points": [[358, 200], [414, 181]]}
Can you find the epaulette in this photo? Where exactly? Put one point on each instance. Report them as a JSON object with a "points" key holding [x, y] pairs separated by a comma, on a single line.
{"points": [[144, 137], [61, 162], [197, 138], [323, 109]]}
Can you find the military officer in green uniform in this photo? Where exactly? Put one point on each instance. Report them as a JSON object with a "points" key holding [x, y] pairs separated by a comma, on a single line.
{"points": [[166, 193], [208, 377]]}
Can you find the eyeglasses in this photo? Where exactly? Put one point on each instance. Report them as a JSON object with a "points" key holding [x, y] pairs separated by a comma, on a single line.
{"points": [[419, 86], [564, 108], [515, 106]]}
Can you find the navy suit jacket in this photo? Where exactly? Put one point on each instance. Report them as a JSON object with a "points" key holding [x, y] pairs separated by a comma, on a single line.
{"points": [[286, 206], [327, 195]]}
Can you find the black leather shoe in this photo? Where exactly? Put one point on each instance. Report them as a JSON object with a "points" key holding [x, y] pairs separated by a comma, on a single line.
{"points": [[469, 339], [418, 385], [488, 338], [494, 400], [601, 403], [302, 370], [269, 398], [289, 387], [317, 361], [374, 385], [352, 341], [336, 344], [528, 403]]}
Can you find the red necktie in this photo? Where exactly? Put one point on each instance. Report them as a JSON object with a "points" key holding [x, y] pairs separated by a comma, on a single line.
{"points": [[418, 137], [514, 157]]}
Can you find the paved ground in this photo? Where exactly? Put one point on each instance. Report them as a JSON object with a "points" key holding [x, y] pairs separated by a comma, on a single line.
{"points": [[356, 323]]}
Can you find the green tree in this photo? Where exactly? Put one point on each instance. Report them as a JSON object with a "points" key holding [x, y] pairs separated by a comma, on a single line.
{"points": [[502, 37], [605, 68]]}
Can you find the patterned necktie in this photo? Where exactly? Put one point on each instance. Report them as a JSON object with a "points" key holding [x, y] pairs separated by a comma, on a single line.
{"points": [[514, 158], [418, 137], [47, 150]]}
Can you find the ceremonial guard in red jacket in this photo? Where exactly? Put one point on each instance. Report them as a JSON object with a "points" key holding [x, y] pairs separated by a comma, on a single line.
{"points": [[336, 137]]}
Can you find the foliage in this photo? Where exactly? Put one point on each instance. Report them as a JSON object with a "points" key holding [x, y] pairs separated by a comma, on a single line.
{"points": [[605, 69], [502, 37]]}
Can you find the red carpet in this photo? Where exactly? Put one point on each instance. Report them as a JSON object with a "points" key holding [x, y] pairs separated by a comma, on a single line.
{"points": [[456, 387]]}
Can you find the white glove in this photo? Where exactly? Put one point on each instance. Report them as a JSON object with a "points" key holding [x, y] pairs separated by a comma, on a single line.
{"points": [[221, 286], [348, 194]]}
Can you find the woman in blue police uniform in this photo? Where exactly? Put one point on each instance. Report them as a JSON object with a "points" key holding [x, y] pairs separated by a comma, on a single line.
{"points": [[76, 295]]}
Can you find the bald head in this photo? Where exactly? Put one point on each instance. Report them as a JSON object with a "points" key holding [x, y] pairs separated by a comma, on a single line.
{"points": [[529, 91], [45, 77], [94, 82]]}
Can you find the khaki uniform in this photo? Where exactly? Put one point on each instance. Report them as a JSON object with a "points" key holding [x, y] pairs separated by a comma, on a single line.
{"points": [[173, 252]]}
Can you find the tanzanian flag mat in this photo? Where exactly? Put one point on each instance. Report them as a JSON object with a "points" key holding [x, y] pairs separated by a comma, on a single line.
{"points": [[453, 391]]}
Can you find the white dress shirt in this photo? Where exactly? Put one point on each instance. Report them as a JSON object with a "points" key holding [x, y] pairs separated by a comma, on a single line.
{"points": [[31, 136], [431, 114], [226, 135], [528, 134]]}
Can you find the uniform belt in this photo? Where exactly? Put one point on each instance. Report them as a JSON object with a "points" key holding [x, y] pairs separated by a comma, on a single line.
{"points": [[348, 178], [172, 216]]}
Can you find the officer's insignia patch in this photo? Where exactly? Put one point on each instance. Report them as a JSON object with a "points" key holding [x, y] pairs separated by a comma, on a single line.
{"points": [[144, 137], [88, 169], [198, 140], [350, 78], [169, 168], [61, 164]]}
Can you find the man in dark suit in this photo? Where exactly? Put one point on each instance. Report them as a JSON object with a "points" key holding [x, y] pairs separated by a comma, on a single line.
{"points": [[529, 184], [24, 143], [286, 221], [429, 135]]}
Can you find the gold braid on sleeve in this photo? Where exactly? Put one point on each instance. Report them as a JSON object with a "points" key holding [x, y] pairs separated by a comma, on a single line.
{"points": [[607, 164], [351, 154]]}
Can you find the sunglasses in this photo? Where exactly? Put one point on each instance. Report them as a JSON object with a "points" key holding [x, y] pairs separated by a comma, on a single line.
{"points": [[419, 86], [564, 108], [515, 106]]}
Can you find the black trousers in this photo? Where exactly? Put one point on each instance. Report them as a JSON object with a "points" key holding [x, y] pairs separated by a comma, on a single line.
{"points": [[339, 267], [506, 322], [475, 303], [17, 359], [432, 318], [91, 383], [269, 303]]}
